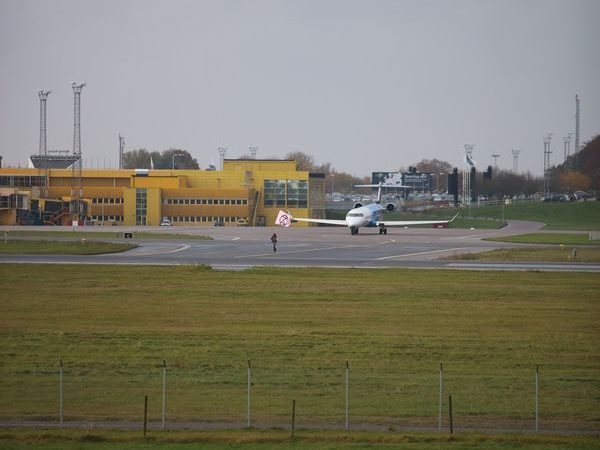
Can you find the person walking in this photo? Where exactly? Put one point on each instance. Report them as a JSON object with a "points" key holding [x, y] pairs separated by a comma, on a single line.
{"points": [[274, 242]]}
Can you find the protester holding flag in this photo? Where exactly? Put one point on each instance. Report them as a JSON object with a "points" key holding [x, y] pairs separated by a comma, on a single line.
{"points": [[274, 242]]}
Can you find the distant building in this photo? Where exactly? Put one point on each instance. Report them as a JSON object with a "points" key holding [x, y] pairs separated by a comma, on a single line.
{"points": [[251, 191]]}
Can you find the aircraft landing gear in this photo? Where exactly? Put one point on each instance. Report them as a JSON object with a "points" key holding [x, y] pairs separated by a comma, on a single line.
{"points": [[382, 229], [353, 231]]}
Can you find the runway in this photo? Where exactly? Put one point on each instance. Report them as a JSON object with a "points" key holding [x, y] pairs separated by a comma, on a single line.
{"points": [[238, 248]]}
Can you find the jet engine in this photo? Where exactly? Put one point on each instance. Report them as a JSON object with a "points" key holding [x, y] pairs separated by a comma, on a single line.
{"points": [[390, 207], [357, 205]]}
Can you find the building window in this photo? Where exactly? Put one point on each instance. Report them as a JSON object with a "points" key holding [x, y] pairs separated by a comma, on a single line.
{"points": [[286, 193], [274, 193], [141, 207]]}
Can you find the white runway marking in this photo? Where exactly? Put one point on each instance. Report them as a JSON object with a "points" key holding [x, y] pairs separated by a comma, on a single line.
{"points": [[316, 249], [180, 249], [406, 255]]}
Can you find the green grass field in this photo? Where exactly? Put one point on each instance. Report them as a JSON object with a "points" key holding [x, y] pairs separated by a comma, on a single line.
{"points": [[113, 326], [87, 247]]}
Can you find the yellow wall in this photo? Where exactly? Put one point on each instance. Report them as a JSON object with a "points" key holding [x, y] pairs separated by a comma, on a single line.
{"points": [[154, 207], [239, 179], [129, 206]]}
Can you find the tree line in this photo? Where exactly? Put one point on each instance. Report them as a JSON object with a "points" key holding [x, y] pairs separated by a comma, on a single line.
{"points": [[580, 172]]}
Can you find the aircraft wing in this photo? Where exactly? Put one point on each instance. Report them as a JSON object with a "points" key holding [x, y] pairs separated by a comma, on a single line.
{"points": [[404, 223], [327, 221]]}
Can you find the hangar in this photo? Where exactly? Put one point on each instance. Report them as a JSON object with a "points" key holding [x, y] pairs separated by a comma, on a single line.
{"points": [[245, 191]]}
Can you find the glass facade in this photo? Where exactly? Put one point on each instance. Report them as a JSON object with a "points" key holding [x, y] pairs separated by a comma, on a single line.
{"points": [[141, 206], [285, 193]]}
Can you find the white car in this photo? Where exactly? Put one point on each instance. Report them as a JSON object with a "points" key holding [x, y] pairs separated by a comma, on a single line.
{"points": [[165, 222]]}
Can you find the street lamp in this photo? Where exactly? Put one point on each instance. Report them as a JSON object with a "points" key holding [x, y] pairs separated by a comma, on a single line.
{"points": [[174, 155]]}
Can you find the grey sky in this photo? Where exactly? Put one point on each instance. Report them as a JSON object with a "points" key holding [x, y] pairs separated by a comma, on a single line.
{"points": [[364, 85]]}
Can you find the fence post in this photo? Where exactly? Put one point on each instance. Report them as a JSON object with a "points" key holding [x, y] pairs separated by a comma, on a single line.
{"points": [[145, 414], [347, 394], [450, 413], [293, 417], [164, 395], [537, 399], [60, 393], [249, 393], [441, 396]]}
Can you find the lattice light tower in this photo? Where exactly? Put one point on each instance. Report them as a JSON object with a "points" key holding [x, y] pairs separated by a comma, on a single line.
{"points": [[121, 151], [576, 149], [567, 142], [222, 152], [253, 151], [467, 174], [77, 188], [43, 94], [43, 145], [515, 153], [496, 156], [547, 153]]}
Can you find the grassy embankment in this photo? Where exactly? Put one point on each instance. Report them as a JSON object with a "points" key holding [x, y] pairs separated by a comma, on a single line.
{"points": [[50, 233], [113, 327], [561, 250], [582, 216], [55, 242], [20, 247], [278, 439]]}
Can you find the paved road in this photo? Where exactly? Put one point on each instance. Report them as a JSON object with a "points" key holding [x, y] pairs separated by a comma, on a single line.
{"points": [[241, 247]]}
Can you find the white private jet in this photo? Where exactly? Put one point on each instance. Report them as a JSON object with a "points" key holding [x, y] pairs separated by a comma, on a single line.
{"points": [[370, 215]]}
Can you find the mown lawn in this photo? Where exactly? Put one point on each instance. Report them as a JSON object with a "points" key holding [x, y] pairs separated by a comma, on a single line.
{"points": [[113, 326], [79, 247]]}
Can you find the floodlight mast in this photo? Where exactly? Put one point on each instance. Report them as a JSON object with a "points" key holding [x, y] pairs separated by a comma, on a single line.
{"points": [[253, 151], [515, 153], [547, 152], [222, 152], [567, 142], [467, 174], [77, 187], [43, 94], [496, 156]]}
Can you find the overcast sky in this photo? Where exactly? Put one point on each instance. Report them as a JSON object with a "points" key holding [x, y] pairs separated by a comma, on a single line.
{"points": [[364, 85]]}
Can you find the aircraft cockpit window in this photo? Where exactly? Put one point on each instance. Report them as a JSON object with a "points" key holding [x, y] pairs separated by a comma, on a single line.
{"points": [[356, 215]]}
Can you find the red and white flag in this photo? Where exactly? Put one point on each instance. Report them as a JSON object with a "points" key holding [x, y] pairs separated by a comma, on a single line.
{"points": [[283, 219]]}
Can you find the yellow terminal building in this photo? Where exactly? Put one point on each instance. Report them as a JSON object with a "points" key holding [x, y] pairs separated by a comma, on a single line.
{"points": [[246, 192]]}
